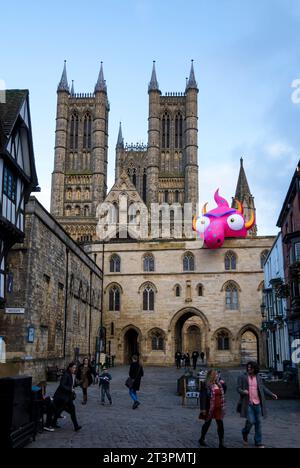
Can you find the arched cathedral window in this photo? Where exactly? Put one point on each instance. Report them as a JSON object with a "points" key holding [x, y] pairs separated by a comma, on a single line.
{"points": [[178, 131], [87, 132], [166, 129], [74, 132]]}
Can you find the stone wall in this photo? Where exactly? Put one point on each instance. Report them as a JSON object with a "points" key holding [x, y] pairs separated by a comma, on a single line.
{"points": [[59, 288]]}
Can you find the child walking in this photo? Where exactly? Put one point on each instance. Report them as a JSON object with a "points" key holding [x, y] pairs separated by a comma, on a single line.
{"points": [[104, 383]]}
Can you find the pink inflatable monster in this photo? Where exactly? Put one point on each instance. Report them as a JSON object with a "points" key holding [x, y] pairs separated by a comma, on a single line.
{"points": [[215, 225]]}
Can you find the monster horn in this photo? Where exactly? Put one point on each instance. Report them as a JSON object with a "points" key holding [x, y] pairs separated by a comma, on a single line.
{"points": [[240, 208], [204, 210], [251, 221], [220, 201]]}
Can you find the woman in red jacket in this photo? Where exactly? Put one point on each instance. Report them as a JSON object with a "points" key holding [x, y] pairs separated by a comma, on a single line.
{"points": [[212, 406]]}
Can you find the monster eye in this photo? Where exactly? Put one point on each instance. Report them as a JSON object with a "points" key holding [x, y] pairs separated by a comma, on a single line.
{"points": [[236, 222], [202, 223]]}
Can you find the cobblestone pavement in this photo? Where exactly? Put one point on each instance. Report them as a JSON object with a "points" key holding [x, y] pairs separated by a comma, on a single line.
{"points": [[161, 421]]}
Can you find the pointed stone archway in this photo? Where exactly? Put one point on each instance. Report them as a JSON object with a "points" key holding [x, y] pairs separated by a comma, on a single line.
{"points": [[249, 339], [131, 343], [189, 328]]}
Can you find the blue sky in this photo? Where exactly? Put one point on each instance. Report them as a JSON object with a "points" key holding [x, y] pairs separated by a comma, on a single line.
{"points": [[246, 53]]}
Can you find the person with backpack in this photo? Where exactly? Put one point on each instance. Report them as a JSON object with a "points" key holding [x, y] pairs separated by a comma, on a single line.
{"points": [[104, 383]]}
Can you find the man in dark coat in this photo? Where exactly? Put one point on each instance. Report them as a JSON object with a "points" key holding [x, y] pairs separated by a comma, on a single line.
{"points": [[252, 404], [178, 359], [64, 396], [195, 357], [136, 372]]}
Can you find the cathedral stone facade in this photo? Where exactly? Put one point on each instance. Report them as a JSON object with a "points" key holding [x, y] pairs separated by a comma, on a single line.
{"points": [[161, 293]]}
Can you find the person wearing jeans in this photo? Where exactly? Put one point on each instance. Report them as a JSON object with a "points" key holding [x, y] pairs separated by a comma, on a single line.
{"points": [[136, 373], [252, 404]]}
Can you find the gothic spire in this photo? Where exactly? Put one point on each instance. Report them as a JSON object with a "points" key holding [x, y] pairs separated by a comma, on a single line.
{"points": [[242, 189], [243, 195], [192, 83], [63, 84], [101, 83], [72, 89], [153, 85], [120, 142]]}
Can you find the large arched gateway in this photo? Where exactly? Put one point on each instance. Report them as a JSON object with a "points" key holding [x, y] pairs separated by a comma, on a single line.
{"points": [[190, 328]]}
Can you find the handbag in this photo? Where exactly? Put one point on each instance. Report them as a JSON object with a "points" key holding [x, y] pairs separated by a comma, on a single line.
{"points": [[129, 382]]}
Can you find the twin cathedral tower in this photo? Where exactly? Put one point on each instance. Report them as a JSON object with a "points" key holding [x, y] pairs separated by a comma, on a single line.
{"points": [[164, 171]]}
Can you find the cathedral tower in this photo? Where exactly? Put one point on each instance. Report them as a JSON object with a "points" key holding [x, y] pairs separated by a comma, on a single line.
{"points": [[167, 170], [79, 180]]}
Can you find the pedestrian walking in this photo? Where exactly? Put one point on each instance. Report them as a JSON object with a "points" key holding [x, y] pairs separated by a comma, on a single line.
{"points": [[212, 406], [195, 357], [136, 372], [252, 404], [202, 356], [85, 378], [178, 359], [64, 397], [104, 383], [182, 361], [187, 360]]}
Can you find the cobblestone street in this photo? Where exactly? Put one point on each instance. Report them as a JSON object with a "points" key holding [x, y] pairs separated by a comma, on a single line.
{"points": [[161, 421]]}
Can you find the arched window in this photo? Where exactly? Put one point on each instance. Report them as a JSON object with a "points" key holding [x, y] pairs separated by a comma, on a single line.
{"points": [[86, 211], [69, 194], [232, 296], [115, 264], [87, 194], [166, 127], [177, 290], [188, 262], [179, 131], [148, 299], [77, 210], [157, 341], [87, 132], [200, 290], [223, 341], [176, 196], [166, 196], [230, 261], [263, 258], [149, 263], [74, 132], [112, 329], [78, 193], [114, 299]]}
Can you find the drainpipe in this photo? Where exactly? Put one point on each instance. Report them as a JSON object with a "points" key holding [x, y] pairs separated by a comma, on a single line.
{"points": [[66, 302], [90, 320], [102, 300]]}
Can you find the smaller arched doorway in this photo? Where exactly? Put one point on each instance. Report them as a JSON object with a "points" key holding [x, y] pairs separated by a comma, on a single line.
{"points": [[131, 345], [249, 347], [192, 339]]}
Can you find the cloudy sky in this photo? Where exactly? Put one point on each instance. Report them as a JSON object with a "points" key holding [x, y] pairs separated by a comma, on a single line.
{"points": [[246, 53]]}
